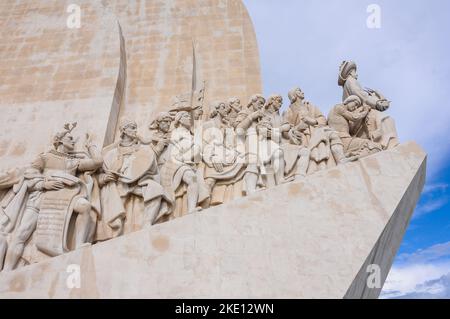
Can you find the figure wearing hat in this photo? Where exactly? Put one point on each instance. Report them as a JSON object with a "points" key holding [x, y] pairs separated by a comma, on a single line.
{"points": [[378, 127]]}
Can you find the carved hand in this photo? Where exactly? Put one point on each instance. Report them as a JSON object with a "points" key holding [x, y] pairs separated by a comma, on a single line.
{"points": [[218, 167], [53, 185], [109, 177], [365, 111], [164, 142], [161, 145], [256, 115], [310, 121], [88, 142], [295, 137], [376, 135], [301, 126]]}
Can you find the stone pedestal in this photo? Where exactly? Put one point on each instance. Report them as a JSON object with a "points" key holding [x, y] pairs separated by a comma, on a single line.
{"points": [[308, 239]]}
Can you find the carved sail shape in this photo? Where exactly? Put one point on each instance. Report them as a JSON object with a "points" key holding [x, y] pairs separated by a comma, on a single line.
{"points": [[343, 209]]}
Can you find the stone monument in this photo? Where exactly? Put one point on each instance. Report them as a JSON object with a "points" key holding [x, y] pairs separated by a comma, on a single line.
{"points": [[179, 190]]}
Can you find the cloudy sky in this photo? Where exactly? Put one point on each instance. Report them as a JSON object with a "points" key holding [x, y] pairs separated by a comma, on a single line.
{"points": [[303, 42]]}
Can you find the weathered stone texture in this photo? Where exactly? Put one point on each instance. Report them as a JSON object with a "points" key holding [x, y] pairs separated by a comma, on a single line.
{"points": [[50, 74], [309, 239]]}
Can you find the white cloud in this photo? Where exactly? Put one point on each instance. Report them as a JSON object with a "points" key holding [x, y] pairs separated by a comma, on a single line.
{"points": [[440, 187], [430, 206], [430, 254], [434, 197], [418, 281], [422, 274]]}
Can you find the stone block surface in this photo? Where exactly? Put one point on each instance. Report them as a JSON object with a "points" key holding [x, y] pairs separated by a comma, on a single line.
{"points": [[308, 239]]}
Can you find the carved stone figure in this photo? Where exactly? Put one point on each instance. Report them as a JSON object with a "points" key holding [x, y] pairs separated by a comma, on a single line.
{"points": [[379, 128], [197, 113], [13, 192], [235, 108], [303, 113], [310, 126], [179, 174], [271, 128], [195, 110], [56, 196], [225, 166], [160, 136], [185, 165], [130, 185], [344, 117], [246, 123], [309, 120]]}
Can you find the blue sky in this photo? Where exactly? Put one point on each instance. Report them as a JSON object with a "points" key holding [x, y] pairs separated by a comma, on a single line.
{"points": [[303, 42]]}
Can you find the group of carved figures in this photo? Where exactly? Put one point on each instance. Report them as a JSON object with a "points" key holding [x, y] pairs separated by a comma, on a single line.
{"points": [[67, 199]]}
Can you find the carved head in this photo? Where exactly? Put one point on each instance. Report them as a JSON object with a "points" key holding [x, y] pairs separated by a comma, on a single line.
{"points": [[256, 102], [197, 112], [220, 108], [295, 94], [162, 122], [183, 118], [235, 104], [352, 103], [65, 138], [67, 141], [274, 102], [128, 128]]}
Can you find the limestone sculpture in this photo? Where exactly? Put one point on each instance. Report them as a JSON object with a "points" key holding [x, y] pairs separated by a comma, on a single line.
{"points": [[246, 122], [56, 194], [343, 117], [225, 165], [305, 120], [235, 108], [270, 129], [179, 174], [321, 145], [69, 198], [378, 127], [130, 186]]}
